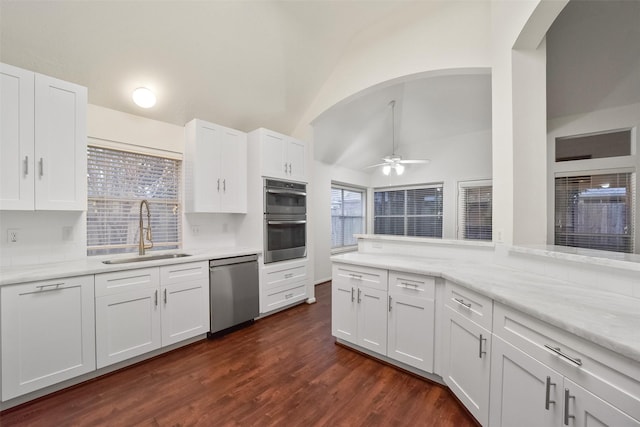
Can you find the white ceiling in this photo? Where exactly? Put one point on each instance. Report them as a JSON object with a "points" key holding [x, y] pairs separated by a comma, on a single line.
{"points": [[243, 64], [261, 63]]}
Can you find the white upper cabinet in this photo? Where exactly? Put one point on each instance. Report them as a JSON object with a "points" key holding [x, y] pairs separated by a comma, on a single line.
{"points": [[281, 156], [43, 147], [215, 168]]}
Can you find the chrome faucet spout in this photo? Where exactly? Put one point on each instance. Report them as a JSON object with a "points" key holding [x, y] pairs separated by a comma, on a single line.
{"points": [[141, 245]]}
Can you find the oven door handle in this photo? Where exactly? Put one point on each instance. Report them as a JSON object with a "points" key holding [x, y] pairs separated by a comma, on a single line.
{"points": [[286, 222], [292, 192]]}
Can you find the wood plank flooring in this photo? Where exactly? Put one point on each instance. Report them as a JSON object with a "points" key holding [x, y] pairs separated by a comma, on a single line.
{"points": [[285, 370]]}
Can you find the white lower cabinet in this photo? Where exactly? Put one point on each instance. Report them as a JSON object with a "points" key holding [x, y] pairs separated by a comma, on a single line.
{"points": [[141, 310], [541, 376], [360, 306], [283, 283], [48, 333], [467, 350], [411, 326]]}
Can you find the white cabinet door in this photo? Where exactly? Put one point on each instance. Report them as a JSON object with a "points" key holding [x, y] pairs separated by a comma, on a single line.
{"points": [[48, 333], [411, 331], [60, 144], [524, 392], [466, 363], [16, 138], [233, 157], [372, 319], [296, 160], [273, 153], [127, 325], [343, 310], [583, 408], [185, 301], [215, 162]]}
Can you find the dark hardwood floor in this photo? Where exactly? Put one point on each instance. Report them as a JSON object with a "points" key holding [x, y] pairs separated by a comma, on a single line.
{"points": [[285, 370]]}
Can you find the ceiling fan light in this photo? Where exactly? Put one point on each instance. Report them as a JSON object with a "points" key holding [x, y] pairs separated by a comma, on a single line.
{"points": [[386, 169], [399, 169]]}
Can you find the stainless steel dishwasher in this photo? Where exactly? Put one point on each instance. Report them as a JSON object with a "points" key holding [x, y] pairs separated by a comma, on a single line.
{"points": [[234, 294]]}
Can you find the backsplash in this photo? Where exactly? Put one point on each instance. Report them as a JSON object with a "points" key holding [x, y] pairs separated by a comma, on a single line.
{"points": [[42, 236]]}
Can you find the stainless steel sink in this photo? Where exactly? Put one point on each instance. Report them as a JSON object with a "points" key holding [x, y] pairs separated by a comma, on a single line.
{"points": [[143, 258]]}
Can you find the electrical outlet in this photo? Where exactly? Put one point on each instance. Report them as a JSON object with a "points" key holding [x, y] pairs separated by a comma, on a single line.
{"points": [[195, 230], [12, 235]]}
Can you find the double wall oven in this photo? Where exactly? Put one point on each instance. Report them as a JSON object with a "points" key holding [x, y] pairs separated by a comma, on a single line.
{"points": [[285, 220]]}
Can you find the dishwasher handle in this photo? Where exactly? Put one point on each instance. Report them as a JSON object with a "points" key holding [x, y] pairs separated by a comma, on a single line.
{"points": [[232, 260]]}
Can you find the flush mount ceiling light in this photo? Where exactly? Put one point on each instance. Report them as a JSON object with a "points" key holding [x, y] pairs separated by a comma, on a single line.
{"points": [[144, 97], [394, 161]]}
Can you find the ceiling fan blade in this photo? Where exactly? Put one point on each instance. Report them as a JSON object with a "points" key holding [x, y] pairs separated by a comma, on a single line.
{"points": [[375, 166], [417, 161]]}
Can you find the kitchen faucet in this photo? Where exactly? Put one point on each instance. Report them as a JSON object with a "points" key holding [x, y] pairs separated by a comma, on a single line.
{"points": [[141, 245]]}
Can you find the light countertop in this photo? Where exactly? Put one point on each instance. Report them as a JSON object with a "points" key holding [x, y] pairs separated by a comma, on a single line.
{"points": [[94, 265], [604, 318]]}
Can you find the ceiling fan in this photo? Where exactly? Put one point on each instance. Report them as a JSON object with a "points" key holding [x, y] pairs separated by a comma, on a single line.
{"points": [[394, 161]]}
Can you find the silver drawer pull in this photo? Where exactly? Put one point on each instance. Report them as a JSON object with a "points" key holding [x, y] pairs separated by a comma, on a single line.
{"points": [[461, 302], [288, 275], [547, 399], [567, 396], [165, 296], [287, 296], [352, 298], [359, 300], [559, 352], [389, 303], [41, 167], [26, 165], [355, 276], [156, 298], [408, 285], [480, 351], [45, 288]]}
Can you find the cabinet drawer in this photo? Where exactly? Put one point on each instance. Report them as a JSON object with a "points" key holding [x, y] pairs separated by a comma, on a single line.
{"points": [[180, 273], [588, 364], [412, 285], [125, 281], [477, 308], [283, 296], [284, 274], [362, 276]]}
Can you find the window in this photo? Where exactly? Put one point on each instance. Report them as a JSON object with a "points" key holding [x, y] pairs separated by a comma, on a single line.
{"points": [[415, 211], [347, 215], [117, 182], [595, 211], [595, 146], [474, 210]]}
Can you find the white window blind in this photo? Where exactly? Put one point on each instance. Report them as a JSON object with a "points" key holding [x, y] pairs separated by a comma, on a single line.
{"points": [[475, 210], [413, 211], [347, 215], [596, 211], [117, 182]]}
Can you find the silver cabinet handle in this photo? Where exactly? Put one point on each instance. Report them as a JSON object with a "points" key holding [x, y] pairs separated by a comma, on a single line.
{"points": [[559, 352], [389, 303], [567, 397], [289, 168], [165, 296], [48, 288], [359, 300], [41, 162], [288, 275], [224, 185], [156, 298], [26, 165], [285, 168], [461, 302], [218, 184], [547, 399], [480, 351], [352, 298]]}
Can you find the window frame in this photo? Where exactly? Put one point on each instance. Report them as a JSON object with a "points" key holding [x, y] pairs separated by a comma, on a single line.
{"points": [[460, 227], [406, 188], [363, 192]]}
